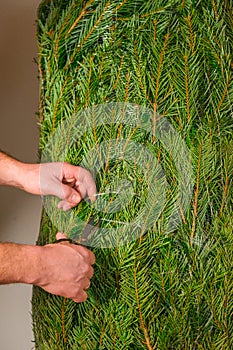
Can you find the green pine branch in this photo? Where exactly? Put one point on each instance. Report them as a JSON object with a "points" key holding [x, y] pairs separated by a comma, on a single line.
{"points": [[167, 289]]}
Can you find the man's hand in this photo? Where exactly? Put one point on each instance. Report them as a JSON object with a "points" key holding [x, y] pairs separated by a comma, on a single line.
{"points": [[66, 269], [63, 269], [68, 182]]}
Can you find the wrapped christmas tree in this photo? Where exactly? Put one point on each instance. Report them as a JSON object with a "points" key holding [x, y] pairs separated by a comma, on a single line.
{"points": [[140, 93]]}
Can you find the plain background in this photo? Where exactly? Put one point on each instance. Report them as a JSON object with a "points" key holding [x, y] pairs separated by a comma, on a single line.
{"points": [[19, 212]]}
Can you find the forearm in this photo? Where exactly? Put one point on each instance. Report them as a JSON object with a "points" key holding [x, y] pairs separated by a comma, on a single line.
{"points": [[19, 263], [9, 170], [68, 182], [17, 174], [63, 269]]}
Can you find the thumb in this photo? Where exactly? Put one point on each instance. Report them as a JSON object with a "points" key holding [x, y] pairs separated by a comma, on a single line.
{"points": [[60, 235], [70, 195]]}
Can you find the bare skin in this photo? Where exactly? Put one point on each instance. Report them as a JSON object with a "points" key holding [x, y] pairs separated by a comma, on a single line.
{"points": [[68, 182], [62, 269]]}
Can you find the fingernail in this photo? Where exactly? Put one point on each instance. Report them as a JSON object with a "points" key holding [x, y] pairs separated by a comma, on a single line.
{"points": [[75, 198]]}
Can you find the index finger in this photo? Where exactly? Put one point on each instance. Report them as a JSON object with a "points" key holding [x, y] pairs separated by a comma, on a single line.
{"points": [[91, 191]]}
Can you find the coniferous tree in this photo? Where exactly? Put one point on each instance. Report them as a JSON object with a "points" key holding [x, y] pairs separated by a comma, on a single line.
{"points": [[172, 288]]}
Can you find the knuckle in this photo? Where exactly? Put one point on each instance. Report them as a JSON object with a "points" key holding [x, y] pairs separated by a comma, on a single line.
{"points": [[86, 269], [75, 292], [85, 252], [91, 272], [92, 257], [83, 297], [80, 298]]}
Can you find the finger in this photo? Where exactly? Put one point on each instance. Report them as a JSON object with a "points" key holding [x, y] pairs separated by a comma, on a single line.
{"points": [[87, 285], [81, 297], [91, 192], [92, 258], [60, 235], [85, 183], [86, 189], [70, 195], [64, 205], [90, 273]]}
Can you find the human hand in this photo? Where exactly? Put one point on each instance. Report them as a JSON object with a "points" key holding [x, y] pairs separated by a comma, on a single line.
{"points": [[66, 269], [68, 182]]}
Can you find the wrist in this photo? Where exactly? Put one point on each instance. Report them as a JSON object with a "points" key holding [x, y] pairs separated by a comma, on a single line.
{"points": [[30, 264], [19, 263], [17, 174], [29, 178], [9, 170]]}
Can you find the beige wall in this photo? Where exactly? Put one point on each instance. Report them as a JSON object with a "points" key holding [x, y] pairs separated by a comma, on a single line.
{"points": [[19, 212]]}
